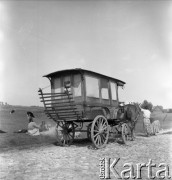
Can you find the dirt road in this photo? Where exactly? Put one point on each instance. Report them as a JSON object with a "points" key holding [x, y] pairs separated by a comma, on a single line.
{"points": [[46, 161]]}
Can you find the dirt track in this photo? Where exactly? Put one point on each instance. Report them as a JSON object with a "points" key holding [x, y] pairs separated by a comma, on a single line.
{"points": [[47, 161]]}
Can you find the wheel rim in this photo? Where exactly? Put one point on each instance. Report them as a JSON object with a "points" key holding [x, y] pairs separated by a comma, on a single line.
{"points": [[68, 133], [100, 131], [124, 133]]}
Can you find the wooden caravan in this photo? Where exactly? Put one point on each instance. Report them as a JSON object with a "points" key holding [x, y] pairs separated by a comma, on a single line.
{"points": [[79, 96]]}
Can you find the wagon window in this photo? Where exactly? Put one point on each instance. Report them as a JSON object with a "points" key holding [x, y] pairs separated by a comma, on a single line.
{"points": [[92, 87], [57, 85], [113, 90], [77, 85], [104, 89]]}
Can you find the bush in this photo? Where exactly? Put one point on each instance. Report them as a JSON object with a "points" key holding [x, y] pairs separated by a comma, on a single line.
{"points": [[147, 105]]}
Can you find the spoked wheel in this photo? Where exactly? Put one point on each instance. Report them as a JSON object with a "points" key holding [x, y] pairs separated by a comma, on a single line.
{"points": [[67, 132], [89, 132], [100, 131], [125, 133]]}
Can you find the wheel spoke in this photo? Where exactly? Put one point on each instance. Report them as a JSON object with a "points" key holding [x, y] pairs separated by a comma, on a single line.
{"points": [[96, 139], [124, 133], [104, 128], [100, 123], [96, 135], [96, 127], [104, 124], [96, 130], [68, 132], [103, 136], [100, 139], [99, 131]]}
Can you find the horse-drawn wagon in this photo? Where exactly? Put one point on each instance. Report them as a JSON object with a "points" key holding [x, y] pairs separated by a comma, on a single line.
{"points": [[80, 97]]}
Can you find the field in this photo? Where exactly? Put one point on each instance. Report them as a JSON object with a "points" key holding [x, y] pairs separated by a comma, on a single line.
{"points": [[26, 157]]}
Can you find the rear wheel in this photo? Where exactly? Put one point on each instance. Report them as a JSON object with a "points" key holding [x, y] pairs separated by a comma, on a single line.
{"points": [[99, 131], [67, 132]]}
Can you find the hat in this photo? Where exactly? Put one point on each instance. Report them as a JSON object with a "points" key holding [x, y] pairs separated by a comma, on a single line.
{"points": [[30, 114]]}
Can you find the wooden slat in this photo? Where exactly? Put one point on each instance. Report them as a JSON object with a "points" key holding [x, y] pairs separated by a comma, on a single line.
{"points": [[54, 94], [69, 116], [57, 97], [62, 107], [63, 110], [58, 100], [51, 97], [42, 97], [63, 113], [72, 101], [53, 115], [58, 112]]}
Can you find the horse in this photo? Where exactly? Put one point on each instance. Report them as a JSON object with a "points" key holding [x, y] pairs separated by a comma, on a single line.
{"points": [[129, 113]]}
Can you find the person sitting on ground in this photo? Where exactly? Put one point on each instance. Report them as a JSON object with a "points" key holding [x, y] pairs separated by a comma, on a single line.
{"points": [[33, 128]]}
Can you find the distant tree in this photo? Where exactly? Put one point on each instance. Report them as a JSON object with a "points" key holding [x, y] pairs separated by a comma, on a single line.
{"points": [[170, 111], [147, 105], [160, 107]]}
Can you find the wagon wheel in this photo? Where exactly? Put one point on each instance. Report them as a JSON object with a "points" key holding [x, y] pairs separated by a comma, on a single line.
{"points": [[89, 131], [67, 132], [125, 133], [99, 131]]}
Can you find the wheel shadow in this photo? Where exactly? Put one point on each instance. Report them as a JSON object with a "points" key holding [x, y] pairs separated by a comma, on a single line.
{"points": [[77, 142], [85, 142]]}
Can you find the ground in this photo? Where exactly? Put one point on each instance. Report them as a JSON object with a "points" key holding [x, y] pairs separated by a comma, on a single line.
{"points": [[48, 161], [24, 157]]}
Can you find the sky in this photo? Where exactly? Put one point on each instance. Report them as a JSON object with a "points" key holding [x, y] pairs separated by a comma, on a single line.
{"points": [[127, 40]]}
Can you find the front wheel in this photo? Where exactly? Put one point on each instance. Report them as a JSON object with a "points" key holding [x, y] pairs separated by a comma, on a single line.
{"points": [[125, 133], [99, 131]]}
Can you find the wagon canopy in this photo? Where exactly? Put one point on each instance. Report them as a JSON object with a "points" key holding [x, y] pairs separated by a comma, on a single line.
{"points": [[82, 71]]}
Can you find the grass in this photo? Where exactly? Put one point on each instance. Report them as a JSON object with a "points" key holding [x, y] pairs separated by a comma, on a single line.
{"points": [[18, 120]]}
